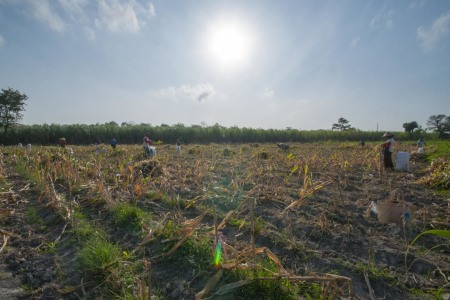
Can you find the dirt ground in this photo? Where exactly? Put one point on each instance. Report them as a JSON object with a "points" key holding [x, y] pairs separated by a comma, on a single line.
{"points": [[334, 230]]}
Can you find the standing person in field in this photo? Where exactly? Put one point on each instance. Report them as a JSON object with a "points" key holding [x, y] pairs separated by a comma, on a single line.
{"points": [[62, 142], [148, 151], [387, 149], [178, 147], [114, 143]]}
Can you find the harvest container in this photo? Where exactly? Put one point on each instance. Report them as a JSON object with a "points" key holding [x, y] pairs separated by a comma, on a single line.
{"points": [[394, 212]]}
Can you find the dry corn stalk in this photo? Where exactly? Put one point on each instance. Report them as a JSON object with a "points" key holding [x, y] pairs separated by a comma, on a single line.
{"points": [[188, 229], [210, 285]]}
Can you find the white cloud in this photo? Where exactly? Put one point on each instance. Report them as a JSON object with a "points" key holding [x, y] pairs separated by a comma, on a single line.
{"points": [[199, 92], [167, 94], [417, 4], [118, 16], [113, 15], [2, 41], [75, 8], [44, 13], [267, 93], [89, 33], [429, 38], [194, 93], [383, 19]]}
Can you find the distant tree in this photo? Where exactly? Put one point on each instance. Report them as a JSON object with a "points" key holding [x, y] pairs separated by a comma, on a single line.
{"points": [[439, 124], [12, 102], [112, 123], [342, 125], [409, 127]]}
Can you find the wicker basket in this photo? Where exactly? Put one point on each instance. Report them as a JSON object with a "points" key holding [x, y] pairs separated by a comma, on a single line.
{"points": [[395, 212]]}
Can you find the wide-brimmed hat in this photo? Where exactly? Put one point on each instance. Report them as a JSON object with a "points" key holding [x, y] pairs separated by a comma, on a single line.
{"points": [[388, 134]]}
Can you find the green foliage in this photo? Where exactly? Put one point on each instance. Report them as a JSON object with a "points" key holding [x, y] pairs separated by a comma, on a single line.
{"points": [[227, 152], [33, 216], [130, 216], [439, 124], [439, 176], [342, 125], [12, 102], [441, 233], [197, 252], [82, 134], [85, 230], [270, 289], [438, 149], [409, 127], [95, 255]]}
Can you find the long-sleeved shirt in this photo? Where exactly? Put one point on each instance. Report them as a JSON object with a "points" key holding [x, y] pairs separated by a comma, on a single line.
{"points": [[388, 144]]}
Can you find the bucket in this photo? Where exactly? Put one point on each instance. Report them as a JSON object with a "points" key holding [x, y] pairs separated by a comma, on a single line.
{"points": [[402, 161], [394, 212]]}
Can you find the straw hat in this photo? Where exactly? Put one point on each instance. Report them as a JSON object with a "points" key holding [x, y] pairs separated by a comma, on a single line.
{"points": [[388, 134]]}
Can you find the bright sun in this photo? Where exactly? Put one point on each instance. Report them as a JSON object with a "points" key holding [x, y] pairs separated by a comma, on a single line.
{"points": [[229, 44]]}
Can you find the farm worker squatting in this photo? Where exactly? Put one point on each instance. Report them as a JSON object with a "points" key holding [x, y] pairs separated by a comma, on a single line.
{"points": [[421, 145], [387, 148], [149, 151]]}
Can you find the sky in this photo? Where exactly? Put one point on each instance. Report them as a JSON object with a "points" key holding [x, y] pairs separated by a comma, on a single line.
{"points": [[264, 64]]}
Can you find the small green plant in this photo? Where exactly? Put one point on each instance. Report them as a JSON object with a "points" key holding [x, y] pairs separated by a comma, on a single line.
{"points": [[197, 252], [436, 232], [49, 247], [130, 216], [33, 216], [269, 289], [227, 152], [95, 255], [85, 230], [440, 149]]}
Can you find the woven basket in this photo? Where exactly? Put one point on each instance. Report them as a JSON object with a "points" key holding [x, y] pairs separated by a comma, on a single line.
{"points": [[395, 212]]}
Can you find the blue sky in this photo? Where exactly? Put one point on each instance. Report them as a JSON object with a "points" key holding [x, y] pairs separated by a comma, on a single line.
{"points": [[254, 63]]}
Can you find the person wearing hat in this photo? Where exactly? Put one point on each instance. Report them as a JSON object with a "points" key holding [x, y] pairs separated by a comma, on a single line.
{"points": [[148, 150], [62, 142], [387, 151]]}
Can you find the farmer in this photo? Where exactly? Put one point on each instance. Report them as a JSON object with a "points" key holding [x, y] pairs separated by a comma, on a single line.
{"points": [[178, 147], [421, 145], [148, 150], [387, 151], [113, 143], [62, 142]]}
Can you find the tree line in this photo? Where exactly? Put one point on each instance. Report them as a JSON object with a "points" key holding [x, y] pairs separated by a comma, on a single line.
{"points": [[82, 134], [439, 124], [12, 103]]}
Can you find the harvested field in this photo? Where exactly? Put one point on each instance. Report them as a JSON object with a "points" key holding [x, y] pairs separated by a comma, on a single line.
{"points": [[222, 221]]}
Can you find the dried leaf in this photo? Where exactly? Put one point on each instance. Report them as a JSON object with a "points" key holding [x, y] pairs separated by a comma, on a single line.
{"points": [[210, 285]]}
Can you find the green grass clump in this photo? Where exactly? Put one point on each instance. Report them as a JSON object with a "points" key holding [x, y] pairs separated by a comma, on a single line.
{"points": [[95, 255], [268, 289], [439, 149], [33, 216], [130, 216], [198, 253], [85, 230]]}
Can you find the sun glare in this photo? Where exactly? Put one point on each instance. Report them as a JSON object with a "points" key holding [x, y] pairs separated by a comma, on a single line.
{"points": [[229, 44]]}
